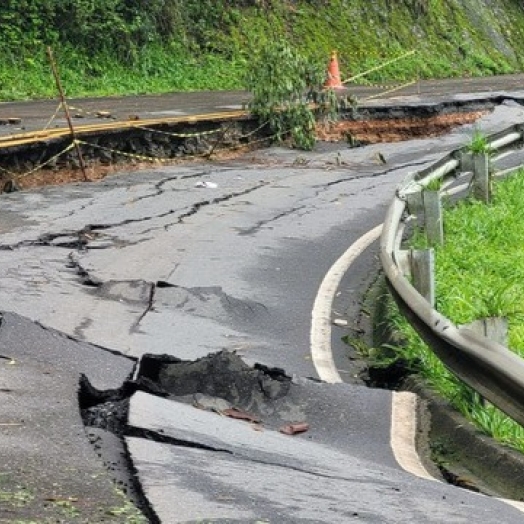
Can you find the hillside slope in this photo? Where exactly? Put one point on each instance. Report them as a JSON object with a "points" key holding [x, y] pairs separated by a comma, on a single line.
{"points": [[133, 46]]}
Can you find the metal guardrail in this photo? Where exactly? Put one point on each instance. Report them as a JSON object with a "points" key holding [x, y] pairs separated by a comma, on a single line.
{"points": [[490, 368]]}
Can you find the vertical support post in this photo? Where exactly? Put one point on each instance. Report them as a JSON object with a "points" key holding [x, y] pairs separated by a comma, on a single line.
{"points": [[466, 162], [493, 328], [415, 205], [403, 261], [433, 217], [481, 178], [66, 110], [423, 271], [220, 139], [497, 329]]}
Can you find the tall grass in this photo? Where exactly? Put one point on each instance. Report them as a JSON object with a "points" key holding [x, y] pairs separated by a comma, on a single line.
{"points": [[157, 69], [479, 274]]}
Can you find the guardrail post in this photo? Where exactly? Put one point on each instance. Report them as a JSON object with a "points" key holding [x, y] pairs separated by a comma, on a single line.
{"points": [[423, 271], [466, 162], [415, 205], [481, 177], [433, 216], [403, 261], [493, 328]]}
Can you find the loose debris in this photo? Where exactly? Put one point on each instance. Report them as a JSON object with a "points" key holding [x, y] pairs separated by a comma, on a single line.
{"points": [[207, 185], [240, 415], [10, 121], [294, 429], [103, 114]]}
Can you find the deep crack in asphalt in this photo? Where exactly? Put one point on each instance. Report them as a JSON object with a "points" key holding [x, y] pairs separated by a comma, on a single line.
{"points": [[221, 376]]}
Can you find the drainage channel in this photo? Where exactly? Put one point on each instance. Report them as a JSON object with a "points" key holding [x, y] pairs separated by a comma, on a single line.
{"points": [[450, 444]]}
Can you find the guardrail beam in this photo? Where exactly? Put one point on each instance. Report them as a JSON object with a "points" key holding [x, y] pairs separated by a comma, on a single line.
{"points": [[478, 356]]}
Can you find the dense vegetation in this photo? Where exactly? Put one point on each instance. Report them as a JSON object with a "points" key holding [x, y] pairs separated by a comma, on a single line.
{"points": [[133, 46]]}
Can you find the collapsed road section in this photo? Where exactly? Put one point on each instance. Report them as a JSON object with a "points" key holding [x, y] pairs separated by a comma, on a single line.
{"points": [[49, 471], [241, 444], [216, 439], [47, 157]]}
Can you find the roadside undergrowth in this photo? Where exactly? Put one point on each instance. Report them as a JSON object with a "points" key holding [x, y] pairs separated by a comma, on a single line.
{"points": [[479, 274]]}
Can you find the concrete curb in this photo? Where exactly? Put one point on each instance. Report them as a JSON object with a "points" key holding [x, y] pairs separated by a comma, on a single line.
{"points": [[467, 457], [471, 459]]}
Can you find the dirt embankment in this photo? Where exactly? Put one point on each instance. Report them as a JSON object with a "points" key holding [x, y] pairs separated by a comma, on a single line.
{"points": [[396, 129]]}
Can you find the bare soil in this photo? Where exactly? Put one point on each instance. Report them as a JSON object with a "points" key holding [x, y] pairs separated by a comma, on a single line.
{"points": [[99, 171], [395, 130]]}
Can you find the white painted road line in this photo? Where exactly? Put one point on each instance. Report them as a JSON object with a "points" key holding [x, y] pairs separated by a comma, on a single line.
{"points": [[403, 415], [320, 336], [404, 404], [404, 432]]}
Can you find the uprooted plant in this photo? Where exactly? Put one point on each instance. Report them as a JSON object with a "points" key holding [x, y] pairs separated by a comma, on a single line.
{"points": [[288, 93]]}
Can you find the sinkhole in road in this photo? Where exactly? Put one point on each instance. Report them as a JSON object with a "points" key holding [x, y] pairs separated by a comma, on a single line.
{"points": [[220, 383]]}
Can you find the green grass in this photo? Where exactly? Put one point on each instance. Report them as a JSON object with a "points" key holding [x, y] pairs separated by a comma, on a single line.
{"points": [[479, 143], [479, 274], [158, 70], [17, 498], [434, 185]]}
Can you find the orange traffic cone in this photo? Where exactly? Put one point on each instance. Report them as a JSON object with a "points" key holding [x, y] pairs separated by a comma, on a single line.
{"points": [[333, 74]]}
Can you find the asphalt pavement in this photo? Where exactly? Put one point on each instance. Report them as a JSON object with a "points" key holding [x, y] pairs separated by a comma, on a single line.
{"points": [[95, 276], [40, 114]]}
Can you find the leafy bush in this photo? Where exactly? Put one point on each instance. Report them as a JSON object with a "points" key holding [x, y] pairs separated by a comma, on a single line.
{"points": [[119, 26], [284, 85]]}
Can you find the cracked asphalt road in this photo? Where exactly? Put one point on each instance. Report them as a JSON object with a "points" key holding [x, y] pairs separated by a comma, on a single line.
{"points": [[147, 262], [208, 261], [143, 261]]}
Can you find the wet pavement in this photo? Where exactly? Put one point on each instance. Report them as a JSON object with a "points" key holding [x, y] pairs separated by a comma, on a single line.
{"points": [[49, 469], [153, 263], [37, 115]]}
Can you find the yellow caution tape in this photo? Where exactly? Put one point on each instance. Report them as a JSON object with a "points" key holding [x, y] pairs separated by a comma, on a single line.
{"points": [[40, 166], [136, 156], [123, 153], [54, 116], [396, 88], [181, 135], [48, 161], [27, 138], [373, 69], [166, 159]]}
